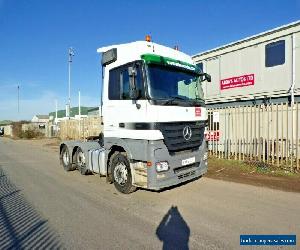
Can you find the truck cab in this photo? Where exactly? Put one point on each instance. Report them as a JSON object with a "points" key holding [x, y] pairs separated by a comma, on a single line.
{"points": [[153, 116]]}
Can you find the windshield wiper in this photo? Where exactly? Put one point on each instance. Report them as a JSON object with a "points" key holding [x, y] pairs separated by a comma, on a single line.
{"points": [[174, 98]]}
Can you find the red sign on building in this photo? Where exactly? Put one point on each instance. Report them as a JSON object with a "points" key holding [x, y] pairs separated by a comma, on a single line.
{"points": [[237, 82]]}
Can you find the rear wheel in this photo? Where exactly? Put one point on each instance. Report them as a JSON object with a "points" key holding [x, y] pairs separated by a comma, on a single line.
{"points": [[81, 162], [121, 174], [66, 159]]}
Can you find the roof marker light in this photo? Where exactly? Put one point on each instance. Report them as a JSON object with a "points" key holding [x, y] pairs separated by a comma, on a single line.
{"points": [[148, 38]]}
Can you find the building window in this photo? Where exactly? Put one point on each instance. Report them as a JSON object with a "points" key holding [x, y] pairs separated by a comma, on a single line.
{"points": [[275, 53]]}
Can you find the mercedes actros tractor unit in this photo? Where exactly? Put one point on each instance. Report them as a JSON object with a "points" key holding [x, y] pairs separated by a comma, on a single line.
{"points": [[153, 120]]}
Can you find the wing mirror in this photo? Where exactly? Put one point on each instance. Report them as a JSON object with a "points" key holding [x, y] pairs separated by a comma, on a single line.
{"points": [[206, 77]]}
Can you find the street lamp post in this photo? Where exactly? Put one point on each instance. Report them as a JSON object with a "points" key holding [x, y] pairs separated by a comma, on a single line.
{"points": [[18, 99], [71, 54]]}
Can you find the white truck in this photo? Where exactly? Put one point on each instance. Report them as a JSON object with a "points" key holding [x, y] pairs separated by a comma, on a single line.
{"points": [[153, 118]]}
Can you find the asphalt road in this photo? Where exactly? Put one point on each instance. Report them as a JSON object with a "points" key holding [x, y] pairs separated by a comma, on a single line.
{"points": [[42, 206]]}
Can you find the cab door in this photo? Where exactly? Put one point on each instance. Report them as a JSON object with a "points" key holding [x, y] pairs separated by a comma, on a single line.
{"points": [[121, 113]]}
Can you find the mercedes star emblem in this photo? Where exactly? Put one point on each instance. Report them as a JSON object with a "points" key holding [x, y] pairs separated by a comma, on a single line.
{"points": [[187, 133]]}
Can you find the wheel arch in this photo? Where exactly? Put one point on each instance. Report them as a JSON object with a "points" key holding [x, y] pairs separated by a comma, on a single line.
{"points": [[113, 149], [120, 145]]}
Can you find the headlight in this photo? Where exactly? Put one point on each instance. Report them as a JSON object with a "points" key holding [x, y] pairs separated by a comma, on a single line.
{"points": [[205, 156], [162, 166]]}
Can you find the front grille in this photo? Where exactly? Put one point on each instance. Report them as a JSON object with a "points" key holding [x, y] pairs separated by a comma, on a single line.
{"points": [[173, 135], [184, 168], [186, 174]]}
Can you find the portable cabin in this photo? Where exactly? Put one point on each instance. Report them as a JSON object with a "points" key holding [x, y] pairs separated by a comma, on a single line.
{"points": [[263, 66]]}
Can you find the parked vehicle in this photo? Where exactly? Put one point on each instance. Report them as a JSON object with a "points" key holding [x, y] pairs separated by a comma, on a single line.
{"points": [[153, 115], [1, 131]]}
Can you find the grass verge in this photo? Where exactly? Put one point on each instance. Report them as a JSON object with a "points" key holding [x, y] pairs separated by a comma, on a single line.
{"points": [[253, 173]]}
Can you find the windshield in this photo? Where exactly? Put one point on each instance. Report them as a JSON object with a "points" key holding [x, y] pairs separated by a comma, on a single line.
{"points": [[168, 83]]}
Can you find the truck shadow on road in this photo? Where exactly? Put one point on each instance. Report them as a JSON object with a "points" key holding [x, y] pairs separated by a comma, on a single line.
{"points": [[21, 227], [173, 231]]}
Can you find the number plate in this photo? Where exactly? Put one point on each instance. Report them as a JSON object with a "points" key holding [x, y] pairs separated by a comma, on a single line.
{"points": [[188, 161]]}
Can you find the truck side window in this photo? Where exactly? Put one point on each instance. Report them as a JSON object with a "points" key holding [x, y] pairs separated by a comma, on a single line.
{"points": [[139, 81], [114, 84], [275, 53], [119, 85], [125, 85]]}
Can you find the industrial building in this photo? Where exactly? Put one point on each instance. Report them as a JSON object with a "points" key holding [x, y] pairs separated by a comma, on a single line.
{"points": [[253, 99], [259, 67]]}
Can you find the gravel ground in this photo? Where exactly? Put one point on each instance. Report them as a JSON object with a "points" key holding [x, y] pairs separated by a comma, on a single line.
{"points": [[43, 206]]}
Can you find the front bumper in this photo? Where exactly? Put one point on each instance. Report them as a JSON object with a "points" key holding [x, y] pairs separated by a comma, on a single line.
{"points": [[177, 173]]}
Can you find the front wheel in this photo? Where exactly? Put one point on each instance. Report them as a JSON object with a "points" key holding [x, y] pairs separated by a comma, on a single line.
{"points": [[121, 174]]}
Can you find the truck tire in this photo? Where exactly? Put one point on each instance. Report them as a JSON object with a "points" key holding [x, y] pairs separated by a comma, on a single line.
{"points": [[81, 162], [109, 173], [66, 159], [121, 174]]}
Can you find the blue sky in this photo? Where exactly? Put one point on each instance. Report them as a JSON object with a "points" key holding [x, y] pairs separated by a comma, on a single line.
{"points": [[35, 36]]}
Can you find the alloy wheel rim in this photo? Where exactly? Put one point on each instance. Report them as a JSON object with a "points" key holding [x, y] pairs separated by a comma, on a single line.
{"points": [[80, 159], [121, 174], [66, 158]]}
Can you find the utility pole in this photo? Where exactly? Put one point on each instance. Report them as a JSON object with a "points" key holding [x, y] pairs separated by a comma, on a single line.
{"points": [[18, 99], [79, 109], [55, 111], [71, 54]]}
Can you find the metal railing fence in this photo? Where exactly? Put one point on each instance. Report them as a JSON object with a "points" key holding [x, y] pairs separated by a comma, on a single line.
{"points": [[267, 133]]}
